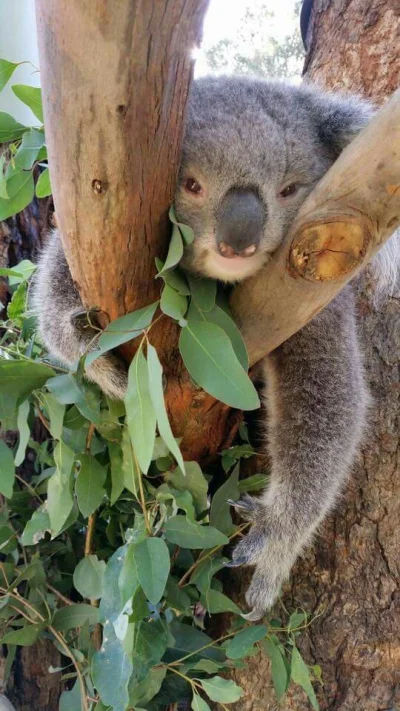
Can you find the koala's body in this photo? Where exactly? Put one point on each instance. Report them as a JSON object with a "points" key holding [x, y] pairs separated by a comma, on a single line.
{"points": [[252, 152]]}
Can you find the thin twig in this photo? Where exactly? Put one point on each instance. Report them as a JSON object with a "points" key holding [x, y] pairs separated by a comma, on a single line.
{"points": [[60, 596]]}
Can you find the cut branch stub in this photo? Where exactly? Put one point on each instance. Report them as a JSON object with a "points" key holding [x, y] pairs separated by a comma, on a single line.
{"points": [[328, 250]]}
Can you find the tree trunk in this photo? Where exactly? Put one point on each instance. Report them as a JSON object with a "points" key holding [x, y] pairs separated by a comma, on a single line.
{"points": [[352, 573]]}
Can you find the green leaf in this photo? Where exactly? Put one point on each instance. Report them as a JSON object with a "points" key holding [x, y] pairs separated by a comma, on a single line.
{"points": [[130, 471], [123, 329], [16, 307], [111, 602], [36, 528], [253, 483], [68, 391], [59, 490], [225, 321], [150, 641], [153, 565], [157, 397], [26, 636], [300, 674], [31, 96], [10, 129], [71, 700], [22, 271], [219, 689], [203, 292], [279, 672], [193, 481], [20, 190], [198, 704], [141, 693], [27, 153], [175, 278], [88, 577], [71, 616], [220, 514], [140, 414], [7, 69], [215, 602], [24, 432], [175, 251], [43, 185], [210, 359], [172, 303], [244, 641], [188, 534], [56, 412], [7, 470], [117, 479], [3, 187], [296, 619], [186, 231], [89, 486], [204, 572]]}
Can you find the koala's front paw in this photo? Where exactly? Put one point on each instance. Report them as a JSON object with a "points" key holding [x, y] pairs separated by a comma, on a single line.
{"points": [[267, 546]]}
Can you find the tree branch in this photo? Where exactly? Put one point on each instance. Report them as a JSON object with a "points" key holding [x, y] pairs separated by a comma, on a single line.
{"points": [[347, 218]]}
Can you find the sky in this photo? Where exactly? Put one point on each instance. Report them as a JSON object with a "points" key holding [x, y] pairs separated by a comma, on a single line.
{"points": [[224, 17]]}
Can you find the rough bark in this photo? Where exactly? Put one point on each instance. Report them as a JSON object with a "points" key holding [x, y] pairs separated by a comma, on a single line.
{"points": [[352, 573]]}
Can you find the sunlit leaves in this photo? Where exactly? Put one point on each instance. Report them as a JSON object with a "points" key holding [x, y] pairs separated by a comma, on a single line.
{"points": [[32, 97], [10, 129], [27, 153], [7, 69]]}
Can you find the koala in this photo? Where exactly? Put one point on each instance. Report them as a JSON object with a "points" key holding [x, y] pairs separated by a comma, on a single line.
{"points": [[252, 152]]}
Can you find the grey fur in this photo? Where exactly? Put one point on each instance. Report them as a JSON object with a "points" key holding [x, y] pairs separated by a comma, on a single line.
{"points": [[251, 135]]}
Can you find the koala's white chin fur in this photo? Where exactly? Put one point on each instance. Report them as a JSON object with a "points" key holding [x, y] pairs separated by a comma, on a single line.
{"points": [[232, 270]]}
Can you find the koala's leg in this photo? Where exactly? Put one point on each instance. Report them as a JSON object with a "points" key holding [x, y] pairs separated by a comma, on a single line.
{"points": [[316, 400], [56, 303]]}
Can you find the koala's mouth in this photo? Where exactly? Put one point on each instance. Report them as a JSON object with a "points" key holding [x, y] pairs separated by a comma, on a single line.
{"points": [[233, 269]]}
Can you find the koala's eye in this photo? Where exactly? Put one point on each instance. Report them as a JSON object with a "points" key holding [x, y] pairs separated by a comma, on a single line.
{"points": [[288, 191], [192, 186]]}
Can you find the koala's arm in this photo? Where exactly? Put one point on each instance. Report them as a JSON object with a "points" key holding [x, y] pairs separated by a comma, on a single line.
{"points": [[67, 336], [316, 401]]}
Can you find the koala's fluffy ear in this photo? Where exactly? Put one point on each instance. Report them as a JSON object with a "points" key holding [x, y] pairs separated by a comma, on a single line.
{"points": [[339, 120]]}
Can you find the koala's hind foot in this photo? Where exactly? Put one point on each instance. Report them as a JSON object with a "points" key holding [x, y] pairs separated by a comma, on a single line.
{"points": [[268, 547]]}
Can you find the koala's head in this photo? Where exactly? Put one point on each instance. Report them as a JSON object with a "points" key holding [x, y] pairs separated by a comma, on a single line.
{"points": [[252, 152]]}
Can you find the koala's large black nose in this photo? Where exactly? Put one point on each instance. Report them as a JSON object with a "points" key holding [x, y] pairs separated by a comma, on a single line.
{"points": [[240, 223]]}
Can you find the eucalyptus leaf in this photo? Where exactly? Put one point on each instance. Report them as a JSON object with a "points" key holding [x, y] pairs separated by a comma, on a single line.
{"points": [[140, 413], [27, 153], [300, 674], [88, 577], [157, 397], [193, 481], [20, 190], [175, 251], [123, 329], [186, 231], [153, 565], [173, 303], [130, 471], [25, 637], [220, 514], [59, 491], [71, 616], [36, 528], [10, 129], [24, 432], [198, 704], [225, 321], [279, 673], [243, 642], [7, 69], [203, 291], [43, 186], [31, 96], [7, 470], [219, 689], [210, 359], [69, 391], [215, 602], [189, 534], [89, 486]]}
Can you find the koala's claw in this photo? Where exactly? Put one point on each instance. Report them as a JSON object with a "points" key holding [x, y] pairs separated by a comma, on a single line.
{"points": [[235, 563]]}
